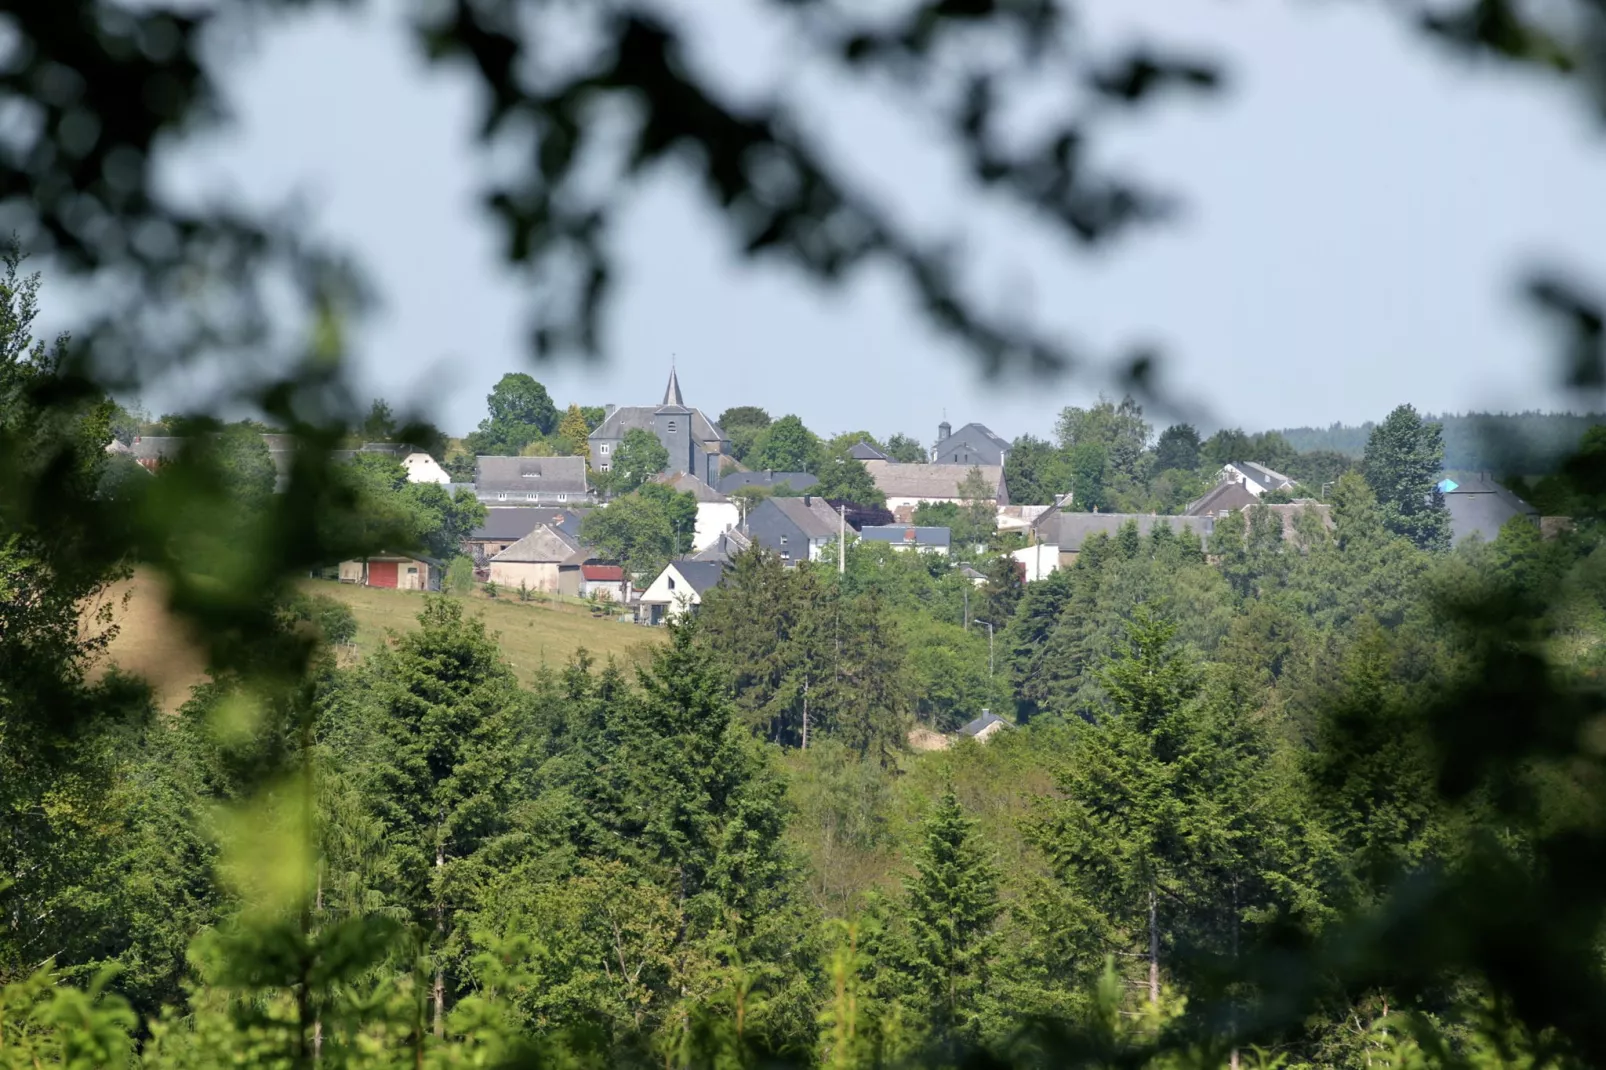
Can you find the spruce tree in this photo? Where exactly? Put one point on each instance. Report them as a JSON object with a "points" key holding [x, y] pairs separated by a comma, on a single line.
{"points": [[1404, 455], [952, 910]]}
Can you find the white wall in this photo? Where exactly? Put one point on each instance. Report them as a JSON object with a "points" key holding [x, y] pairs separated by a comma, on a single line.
{"points": [[421, 468], [713, 520], [1040, 560], [671, 587]]}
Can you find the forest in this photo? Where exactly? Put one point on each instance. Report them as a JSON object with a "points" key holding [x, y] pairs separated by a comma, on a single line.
{"points": [[1306, 794]]}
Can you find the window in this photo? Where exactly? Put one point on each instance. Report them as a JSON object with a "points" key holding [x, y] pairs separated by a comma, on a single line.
{"points": [[501, 495], [671, 427], [783, 540], [604, 468], [671, 580], [563, 497], [605, 449]]}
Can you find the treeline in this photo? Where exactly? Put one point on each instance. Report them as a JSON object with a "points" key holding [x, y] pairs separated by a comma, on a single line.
{"points": [[1504, 444]]}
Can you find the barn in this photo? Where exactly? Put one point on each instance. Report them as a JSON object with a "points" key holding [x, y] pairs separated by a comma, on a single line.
{"points": [[404, 572]]}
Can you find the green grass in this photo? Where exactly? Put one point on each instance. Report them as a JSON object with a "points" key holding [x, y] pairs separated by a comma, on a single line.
{"points": [[532, 634]]}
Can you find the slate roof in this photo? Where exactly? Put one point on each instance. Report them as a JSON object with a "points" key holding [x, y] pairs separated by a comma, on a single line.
{"points": [[928, 481], [907, 535], [863, 451], [1069, 531], [1266, 477], [702, 575], [728, 545], [969, 433], [1223, 497], [565, 475], [731, 482], [686, 483], [1480, 506], [515, 522], [542, 545], [813, 516], [975, 727]]}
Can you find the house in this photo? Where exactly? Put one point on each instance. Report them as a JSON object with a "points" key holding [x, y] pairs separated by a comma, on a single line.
{"points": [[863, 451], [908, 537], [678, 590], [716, 513], [530, 480], [534, 561], [976, 577], [153, 451], [1480, 506], [422, 468], [971, 444], [1020, 517], [1257, 478], [604, 582], [797, 529], [1038, 561], [797, 482], [1223, 498], [1064, 533], [907, 485], [695, 443], [985, 727], [727, 546], [506, 525], [406, 572]]}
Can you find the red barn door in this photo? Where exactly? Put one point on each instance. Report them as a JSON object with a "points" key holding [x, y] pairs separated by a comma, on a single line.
{"points": [[381, 573]]}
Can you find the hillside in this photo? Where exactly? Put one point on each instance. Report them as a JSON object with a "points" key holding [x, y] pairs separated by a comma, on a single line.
{"points": [[152, 644]]}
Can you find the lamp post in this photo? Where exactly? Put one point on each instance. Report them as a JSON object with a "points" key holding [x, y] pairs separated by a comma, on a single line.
{"points": [[989, 645]]}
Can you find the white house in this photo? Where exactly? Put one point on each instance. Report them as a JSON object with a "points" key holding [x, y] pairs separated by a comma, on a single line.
{"points": [[679, 590], [1257, 479], [716, 513], [422, 468], [1038, 561]]}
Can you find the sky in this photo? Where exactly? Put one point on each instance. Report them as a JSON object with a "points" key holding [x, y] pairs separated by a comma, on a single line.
{"points": [[1359, 209]]}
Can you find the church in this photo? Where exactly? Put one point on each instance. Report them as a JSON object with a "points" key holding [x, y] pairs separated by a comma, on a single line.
{"points": [[695, 443]]}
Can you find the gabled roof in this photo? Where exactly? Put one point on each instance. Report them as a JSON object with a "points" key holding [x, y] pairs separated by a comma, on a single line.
{"points": [[906, 535], [728, 545], [1480, 506], [1223, 497], [542, 545], [686, 483], [603, 573], [928, 481], [550, 474], [731, 482], [515, 522], [1069, 531], [702, 575], [1266, 477], [971, 432], [863, 451], [813, 516], [975, 727]]}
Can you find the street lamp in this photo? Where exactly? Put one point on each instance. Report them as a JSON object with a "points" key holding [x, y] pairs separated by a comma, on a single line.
{"points": [[989, 645]]}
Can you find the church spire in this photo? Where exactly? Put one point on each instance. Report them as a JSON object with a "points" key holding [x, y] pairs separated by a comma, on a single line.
{"points": [[672, 391]]}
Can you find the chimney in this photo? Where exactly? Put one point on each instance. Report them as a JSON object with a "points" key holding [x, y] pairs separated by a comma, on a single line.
{"points": [[607, 411], [808, 500]]}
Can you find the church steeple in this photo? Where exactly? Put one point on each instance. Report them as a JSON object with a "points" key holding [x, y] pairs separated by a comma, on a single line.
{"points": [[672, 391]]}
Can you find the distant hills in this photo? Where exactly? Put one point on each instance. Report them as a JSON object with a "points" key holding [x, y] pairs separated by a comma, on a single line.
{"points": [[1523, 443]]}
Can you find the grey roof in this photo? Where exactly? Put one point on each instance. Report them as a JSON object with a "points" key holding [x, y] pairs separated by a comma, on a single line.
{"points": [[968, 433], [906, 534], [863, 451], [157, 447], [518, 521], [686, 483], [928, 481], [543, 544], [1223, 497], [702, 575], [1263, 475], [1069, 531], [975, 727], [634, 417], [566, 475], [728, 545], [813, 516], [1480, 506], [672, 391], [116, 446], [731, 482]]}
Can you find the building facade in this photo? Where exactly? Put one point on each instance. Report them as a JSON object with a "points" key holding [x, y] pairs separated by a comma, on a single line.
{"points": [[695, 443]]}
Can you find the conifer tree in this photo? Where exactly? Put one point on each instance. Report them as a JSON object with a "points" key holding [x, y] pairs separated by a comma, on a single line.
{"points": [[575, 432], [1404, 455], [442, 765], [952, 909]]}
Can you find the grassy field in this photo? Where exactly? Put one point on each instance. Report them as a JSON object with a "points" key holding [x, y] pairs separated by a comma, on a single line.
{"points": [[153, 645]]}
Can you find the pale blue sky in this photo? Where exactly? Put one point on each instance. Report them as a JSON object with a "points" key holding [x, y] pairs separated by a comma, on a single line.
{"points": [[1359, 208]]}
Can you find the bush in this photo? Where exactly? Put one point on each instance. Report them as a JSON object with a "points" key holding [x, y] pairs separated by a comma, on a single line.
{"points": [[460, 576], [332, 618]]}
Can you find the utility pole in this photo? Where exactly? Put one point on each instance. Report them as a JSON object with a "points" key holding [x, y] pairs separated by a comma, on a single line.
{"points": [[989, 644], [842, 539], [967, 607]]}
